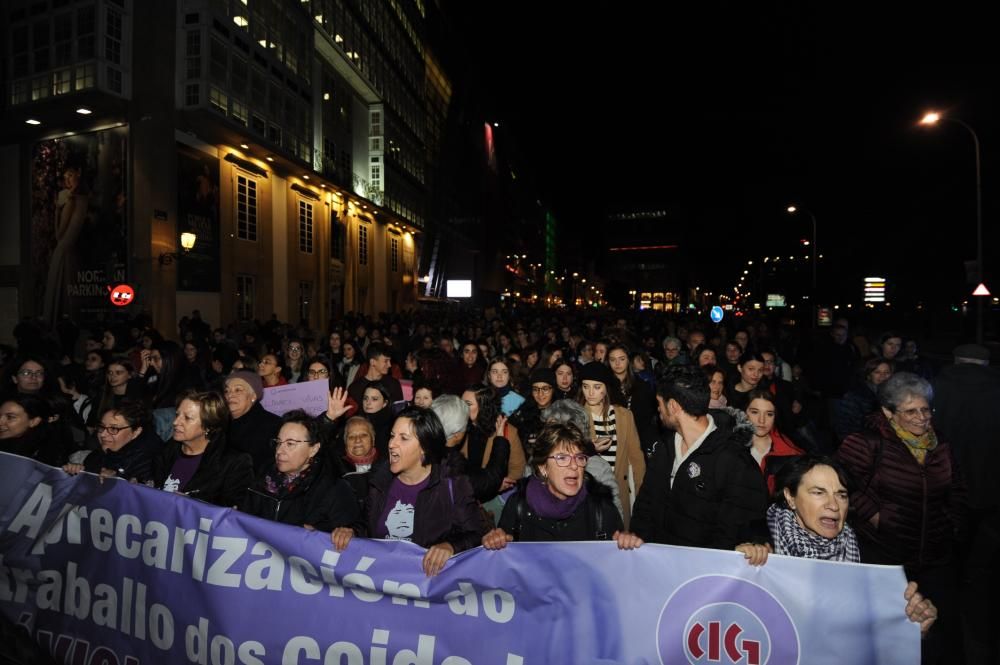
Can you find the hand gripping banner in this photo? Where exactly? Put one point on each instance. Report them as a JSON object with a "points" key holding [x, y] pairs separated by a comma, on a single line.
{"points": [[112, 573]]}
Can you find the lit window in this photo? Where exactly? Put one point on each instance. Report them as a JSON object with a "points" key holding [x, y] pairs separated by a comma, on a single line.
{"points": [[305, 227]]}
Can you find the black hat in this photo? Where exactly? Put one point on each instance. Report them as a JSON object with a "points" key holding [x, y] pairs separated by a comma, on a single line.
{"points": [[596, 371], [543, 375]]}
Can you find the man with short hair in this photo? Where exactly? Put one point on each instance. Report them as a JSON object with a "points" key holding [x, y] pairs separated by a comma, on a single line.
{"points": [[379, 364], [695, 339], [702, 486]]}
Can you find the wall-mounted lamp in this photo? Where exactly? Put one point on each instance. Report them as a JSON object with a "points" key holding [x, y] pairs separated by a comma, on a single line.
{"points": [[187, 244]]}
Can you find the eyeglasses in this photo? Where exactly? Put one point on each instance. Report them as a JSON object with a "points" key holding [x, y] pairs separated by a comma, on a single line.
{"points": [[295, 348], [288, 444], [33, 373], [923, 412], [319, 372], [562, 459], [541, 389], [111, 429]]}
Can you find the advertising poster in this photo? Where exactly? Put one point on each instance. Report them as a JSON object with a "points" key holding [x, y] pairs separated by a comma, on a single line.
{"points": [[79, 229]]}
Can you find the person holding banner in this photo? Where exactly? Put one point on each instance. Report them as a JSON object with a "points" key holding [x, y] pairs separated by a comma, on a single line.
{"points": [[197, 462], [559, 501], [809, 520], [703, 488], [127, 446], [412, 498], [299, 488]]}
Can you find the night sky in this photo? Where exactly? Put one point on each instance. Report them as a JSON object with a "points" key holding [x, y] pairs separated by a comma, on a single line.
{"points": [[723, 114]]}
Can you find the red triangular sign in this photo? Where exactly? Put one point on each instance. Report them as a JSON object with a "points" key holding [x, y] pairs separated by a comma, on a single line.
{"points": [[981, 290]]}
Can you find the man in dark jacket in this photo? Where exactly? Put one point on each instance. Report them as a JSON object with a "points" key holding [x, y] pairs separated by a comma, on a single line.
{"points": [[702, 487], [966, 396], [379, 363]]}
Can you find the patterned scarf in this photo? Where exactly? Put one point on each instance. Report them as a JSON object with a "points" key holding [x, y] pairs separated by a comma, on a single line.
{"points": [[918, 445], [363, 460], [285, 482], [791, 539]]}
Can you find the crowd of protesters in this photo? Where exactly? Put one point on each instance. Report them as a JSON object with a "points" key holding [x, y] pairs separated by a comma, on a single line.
{"points": [[534, 425]]}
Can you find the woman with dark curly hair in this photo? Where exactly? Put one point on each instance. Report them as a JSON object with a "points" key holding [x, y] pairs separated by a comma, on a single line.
{"points": [[489, 438]]}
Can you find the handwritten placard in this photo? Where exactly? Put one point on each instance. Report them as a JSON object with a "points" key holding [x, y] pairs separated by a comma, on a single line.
{"points": [[311, 396]]}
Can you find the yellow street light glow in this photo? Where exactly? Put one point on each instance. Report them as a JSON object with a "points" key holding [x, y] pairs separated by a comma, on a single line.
{"points": [[791, 208], [930, 118]]}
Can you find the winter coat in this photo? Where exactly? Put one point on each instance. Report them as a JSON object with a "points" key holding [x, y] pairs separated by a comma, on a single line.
{"points": [[966, 397], [222, 478], [321, 500], [133, 460], [921, 507], [783, 450], [718, 499], [253, 433], [487, 477], [446, 510], [596, 518], [851, 411], [628, 454]]}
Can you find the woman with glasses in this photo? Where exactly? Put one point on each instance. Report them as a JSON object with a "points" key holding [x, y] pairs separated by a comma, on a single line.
{"points": [[413, 498], [910, 503], [298, 488], [559, 502], [31, 377], [270, 371], [127, 447], [197, 462]]}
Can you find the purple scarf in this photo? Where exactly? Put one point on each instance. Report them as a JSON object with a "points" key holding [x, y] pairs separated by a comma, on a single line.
{"points": [[545, 503]]}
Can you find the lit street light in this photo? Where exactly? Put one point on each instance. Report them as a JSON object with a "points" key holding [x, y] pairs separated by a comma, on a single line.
{"points": [[931, 119], [792, 210]]}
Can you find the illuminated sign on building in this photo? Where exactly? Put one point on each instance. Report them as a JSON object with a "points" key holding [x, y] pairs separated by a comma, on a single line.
{"points": [[875, 289]]}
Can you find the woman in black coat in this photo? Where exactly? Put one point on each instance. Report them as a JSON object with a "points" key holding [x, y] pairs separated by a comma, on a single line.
{"points": [[252, 428], [299, 488], [127, 445], [559, 502], [197, 462]]}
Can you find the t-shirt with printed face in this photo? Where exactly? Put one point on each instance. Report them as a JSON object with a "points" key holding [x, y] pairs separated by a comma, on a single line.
{"points": [[181, 473], [399, 514]]}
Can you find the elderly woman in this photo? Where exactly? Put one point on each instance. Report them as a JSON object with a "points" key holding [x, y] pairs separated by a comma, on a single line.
{"points": [[197, 462], [414, 499], [127, 447], [857, 404], [612, 430], [298, 489], [559, 502], [910, 502], [487, 479], [809, 520], [252, 428]]}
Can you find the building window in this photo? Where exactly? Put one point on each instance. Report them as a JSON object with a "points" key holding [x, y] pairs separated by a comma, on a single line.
{"points": [[362, 244], [114, 80], [305, 298], [192, 94], [305, 227], [113, 37], [338, 238], [246, 208], [84, 77], [219, 101], [246, 297], [394, 253]]}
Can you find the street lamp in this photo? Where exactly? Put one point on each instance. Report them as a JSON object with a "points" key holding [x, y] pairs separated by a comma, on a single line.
{"points": [[792, 210], [931, 119]]}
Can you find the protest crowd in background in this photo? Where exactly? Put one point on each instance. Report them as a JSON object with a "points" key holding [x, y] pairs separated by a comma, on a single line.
{"points": [[500, 426]]}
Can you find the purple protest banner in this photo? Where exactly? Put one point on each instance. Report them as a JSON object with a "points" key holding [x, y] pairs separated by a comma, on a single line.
{"points": [[112, 573], [312, 396]]}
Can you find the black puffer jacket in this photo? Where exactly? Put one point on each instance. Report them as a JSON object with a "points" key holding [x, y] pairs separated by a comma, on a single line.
{"points": [[222, 478], [594, 519], [321, 500], [718, 499]]}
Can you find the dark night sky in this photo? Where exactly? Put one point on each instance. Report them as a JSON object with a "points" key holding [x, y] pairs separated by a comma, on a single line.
{"points": [[725, 113]]}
